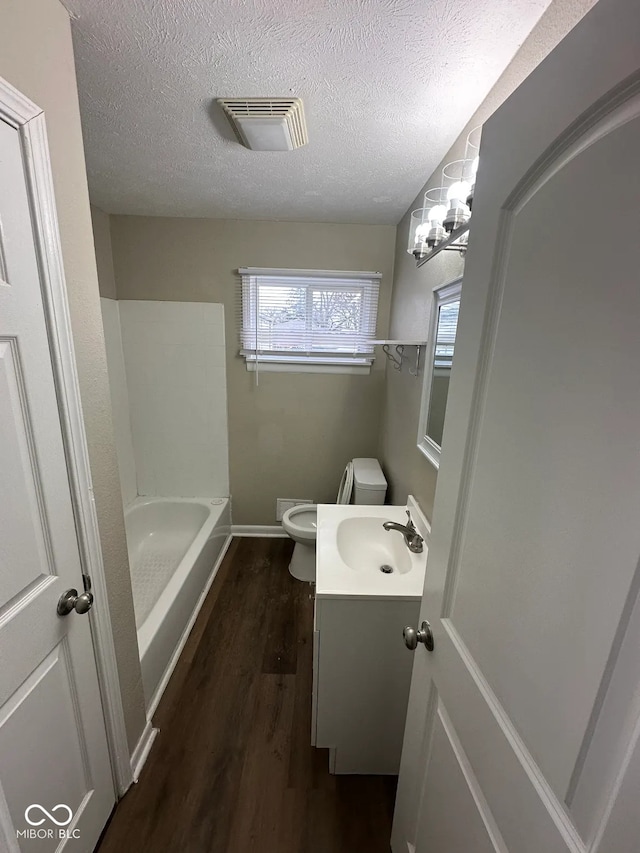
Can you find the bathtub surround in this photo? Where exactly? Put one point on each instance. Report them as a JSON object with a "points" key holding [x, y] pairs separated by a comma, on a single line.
{"points": [[168, 387], [295, 432], [407, 469], [119, 399], [174, 358], [36, 56]]}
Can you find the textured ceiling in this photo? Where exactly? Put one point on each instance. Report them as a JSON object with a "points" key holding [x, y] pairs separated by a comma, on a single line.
{"points": [[387, 86]]}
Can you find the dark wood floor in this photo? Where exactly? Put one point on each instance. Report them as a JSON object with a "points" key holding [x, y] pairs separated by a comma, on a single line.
{"points": [[232, 770]]}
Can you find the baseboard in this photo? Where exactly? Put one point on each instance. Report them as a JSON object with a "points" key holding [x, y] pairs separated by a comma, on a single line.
{"points": [[157, 696], [268, 530], [142, 750]]}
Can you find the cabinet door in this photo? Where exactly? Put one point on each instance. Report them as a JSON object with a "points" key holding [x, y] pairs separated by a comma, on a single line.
{"points": [[363, 679]]}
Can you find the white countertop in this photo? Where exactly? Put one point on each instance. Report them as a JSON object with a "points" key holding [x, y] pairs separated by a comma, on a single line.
{"points": [[348, 558]]}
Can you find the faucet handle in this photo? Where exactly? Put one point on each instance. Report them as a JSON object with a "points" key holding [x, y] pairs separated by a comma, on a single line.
{"points": [[410, 524]]}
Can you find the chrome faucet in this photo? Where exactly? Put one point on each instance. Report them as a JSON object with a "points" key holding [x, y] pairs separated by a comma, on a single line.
{"points": [[412, 538]]}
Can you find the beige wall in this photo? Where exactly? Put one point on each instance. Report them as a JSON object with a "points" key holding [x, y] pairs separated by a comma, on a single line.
{"points": [[407, 469], [104, 256], [293, 434], [36, 56]]}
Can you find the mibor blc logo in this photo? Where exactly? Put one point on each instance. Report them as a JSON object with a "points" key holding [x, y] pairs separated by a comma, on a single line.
{"points": [[37, 817]]}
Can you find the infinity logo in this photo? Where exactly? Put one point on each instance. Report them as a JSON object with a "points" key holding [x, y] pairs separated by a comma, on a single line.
{"points": [[47, 814]]}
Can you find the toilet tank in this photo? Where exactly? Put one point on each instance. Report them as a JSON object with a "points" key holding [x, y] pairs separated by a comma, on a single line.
{"points": [[369, 483]]}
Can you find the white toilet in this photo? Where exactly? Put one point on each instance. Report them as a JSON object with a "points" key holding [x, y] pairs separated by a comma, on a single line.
{"points": [[365, 479]]}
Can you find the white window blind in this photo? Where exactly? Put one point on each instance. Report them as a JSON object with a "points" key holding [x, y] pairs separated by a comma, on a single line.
{"points": [[314, 316], [446, 333]]}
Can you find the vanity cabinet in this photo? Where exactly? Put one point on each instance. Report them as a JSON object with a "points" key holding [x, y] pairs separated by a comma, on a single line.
{"points": [[361, 679]]}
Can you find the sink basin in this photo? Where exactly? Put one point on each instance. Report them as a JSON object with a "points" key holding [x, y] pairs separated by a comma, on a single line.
{"points": [[357, 557], [365, 546]]}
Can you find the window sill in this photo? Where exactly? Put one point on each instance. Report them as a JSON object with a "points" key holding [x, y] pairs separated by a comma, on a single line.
{"points": [[271, 364]]}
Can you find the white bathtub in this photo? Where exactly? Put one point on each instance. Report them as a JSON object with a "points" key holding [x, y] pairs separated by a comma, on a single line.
{"points": [[175, 548]]}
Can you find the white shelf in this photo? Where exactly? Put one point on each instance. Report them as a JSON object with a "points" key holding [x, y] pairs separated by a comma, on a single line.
{"points": [[400, 356]]}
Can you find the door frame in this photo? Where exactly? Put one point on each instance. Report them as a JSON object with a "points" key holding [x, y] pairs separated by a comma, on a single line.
{"points": [[28, 119]]}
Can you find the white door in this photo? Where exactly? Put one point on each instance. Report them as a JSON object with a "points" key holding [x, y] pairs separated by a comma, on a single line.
{"points": [[55, 775], [522, 733]]}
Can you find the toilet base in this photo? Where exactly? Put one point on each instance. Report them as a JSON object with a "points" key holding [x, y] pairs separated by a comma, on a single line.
{"points": [[303, 562]]}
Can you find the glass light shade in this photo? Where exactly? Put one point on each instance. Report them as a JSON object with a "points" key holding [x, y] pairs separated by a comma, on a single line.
{"points": [[456, 172], [418, 230], [472, 153], [472, 147], [434, 200], [435, 203], [456, 178]]}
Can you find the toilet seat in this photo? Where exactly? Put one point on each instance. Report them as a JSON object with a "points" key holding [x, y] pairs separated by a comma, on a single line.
{"points": [[301, 522], [346, 485]]}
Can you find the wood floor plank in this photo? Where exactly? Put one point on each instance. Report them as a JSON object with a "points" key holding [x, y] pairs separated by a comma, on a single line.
{"points": [[280, 639], [232, 770], [259, 803]]}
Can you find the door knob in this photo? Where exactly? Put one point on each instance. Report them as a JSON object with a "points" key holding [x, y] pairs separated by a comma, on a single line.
{"points": [[413, 637], [70, 600]]}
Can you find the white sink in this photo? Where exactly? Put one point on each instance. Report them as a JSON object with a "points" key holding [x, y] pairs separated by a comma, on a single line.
{"points": [[357, 557], [365, 546]]}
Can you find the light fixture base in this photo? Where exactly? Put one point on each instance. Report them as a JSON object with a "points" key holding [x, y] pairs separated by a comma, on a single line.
{"points": [[456, 216]]}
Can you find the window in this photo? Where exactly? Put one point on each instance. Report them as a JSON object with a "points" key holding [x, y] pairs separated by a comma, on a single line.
{"points": [[324, 320], [442, 338]]}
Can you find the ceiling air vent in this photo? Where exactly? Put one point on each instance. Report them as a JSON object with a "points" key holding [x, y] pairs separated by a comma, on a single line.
{"points": [[267, 124]]}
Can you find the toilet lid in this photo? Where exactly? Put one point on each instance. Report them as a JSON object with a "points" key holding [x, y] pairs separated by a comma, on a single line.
{"points": [[346, 485]]}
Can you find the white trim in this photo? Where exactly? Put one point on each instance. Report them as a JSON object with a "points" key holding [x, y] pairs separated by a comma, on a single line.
{"points": [[275, 531], [441, 294], [310, 273], [142, 750], [29, 120], [430, 449], [162, 685], [288, 365], [264, 357]]}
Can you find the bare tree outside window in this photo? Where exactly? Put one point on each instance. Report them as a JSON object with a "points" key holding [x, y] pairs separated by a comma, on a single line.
{"points": [[286, 310], [337, 310]]}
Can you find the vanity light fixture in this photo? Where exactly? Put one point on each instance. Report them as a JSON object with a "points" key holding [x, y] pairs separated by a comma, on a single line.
{"points": [[447, 208]]}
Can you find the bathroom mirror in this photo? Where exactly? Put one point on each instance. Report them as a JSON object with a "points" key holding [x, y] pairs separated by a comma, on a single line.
{"points": [[441, 346]]}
